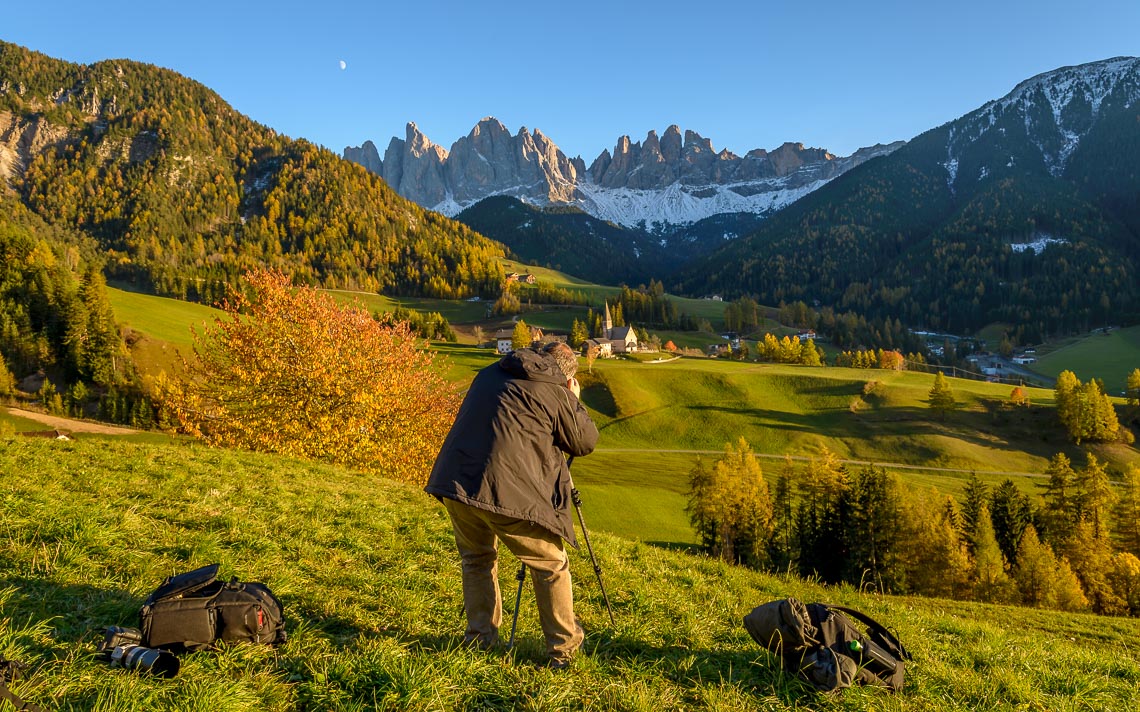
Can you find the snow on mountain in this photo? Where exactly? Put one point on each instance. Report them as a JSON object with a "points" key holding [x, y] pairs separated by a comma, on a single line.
{"points": [[1055, 110], [682, 205]]}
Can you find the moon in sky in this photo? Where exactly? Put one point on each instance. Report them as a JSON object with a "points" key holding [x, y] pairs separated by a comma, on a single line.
{"points": [[342, 64]]}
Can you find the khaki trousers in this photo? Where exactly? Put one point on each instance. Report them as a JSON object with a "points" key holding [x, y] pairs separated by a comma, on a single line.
{"points": [[477, 532]]}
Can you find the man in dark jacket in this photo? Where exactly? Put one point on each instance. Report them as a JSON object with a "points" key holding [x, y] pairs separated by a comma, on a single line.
{"points": [[502, 474]]}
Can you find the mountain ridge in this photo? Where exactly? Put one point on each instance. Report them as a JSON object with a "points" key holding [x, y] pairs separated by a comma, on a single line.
{"points": [[667, 180]]}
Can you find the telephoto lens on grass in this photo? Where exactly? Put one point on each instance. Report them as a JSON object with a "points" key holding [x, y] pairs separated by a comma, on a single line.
{"points": [[149, 660], [122, 647]]}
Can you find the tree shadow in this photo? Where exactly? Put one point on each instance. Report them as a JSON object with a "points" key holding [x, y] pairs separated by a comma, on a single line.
{"points": [[598, 397]]}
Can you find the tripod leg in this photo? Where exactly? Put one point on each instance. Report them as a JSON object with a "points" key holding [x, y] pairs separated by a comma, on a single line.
{"points": [[521, 576], [577, 499]]}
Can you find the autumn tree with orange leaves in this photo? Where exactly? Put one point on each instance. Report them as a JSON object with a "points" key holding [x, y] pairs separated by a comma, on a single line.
{"points": [[290, 370]]}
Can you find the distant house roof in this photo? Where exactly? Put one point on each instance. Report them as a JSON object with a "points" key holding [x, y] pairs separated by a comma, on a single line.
{"points": [[622, 333]]}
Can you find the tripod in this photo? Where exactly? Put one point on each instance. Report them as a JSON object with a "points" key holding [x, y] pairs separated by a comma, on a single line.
{"points": [[576, 498]]}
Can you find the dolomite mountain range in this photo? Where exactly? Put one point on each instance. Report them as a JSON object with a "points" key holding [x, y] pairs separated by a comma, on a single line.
{"points": [[669, 180]]}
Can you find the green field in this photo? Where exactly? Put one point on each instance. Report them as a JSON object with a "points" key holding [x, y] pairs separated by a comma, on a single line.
{"points": [[1109, 357], [370, 582], [656, 418]]}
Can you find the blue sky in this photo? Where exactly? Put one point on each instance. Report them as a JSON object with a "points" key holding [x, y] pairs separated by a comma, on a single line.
{"points": [[837, 75]]}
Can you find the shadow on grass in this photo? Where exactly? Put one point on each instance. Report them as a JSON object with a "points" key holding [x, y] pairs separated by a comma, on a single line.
{"points": [[75, 612], [752, 669]]}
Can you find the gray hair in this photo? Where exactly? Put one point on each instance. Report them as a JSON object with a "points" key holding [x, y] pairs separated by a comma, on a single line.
{"points": [[565, 356]]}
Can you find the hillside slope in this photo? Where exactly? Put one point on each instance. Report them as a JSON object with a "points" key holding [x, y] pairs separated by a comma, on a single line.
{"points": [[370, 582], [183, 193]]}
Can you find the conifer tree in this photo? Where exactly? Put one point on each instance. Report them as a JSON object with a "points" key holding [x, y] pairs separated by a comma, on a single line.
{"points": [[7, 381], [874, 530], [781, 551], [731, 507], [975, 509], [822, 517], [941, 396], [936, 560], [1010, 512], [701, 507], [578, 334]]}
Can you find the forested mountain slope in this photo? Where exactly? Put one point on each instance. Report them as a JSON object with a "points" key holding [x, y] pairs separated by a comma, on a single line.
{"points": [[1025, 211], [183, 193]]}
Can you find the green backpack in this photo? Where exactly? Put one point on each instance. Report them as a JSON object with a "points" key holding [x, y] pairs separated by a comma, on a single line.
{"points": [[825, 647]]}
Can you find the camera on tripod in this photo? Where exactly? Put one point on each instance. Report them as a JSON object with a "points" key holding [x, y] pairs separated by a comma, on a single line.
{"points": [[122, 647]]}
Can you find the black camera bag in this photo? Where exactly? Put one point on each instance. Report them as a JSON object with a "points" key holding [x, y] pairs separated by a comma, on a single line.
{"points": [[194, 610], [825, 646]]}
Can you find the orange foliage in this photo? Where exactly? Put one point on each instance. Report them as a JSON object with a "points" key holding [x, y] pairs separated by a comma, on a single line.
{"points": [[291, 371]]}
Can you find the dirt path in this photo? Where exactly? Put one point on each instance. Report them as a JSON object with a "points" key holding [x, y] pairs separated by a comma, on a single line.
{"points": [[69, 425]]}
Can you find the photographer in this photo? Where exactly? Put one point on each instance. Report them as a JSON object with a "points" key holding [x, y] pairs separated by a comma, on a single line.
{"points": [[502, 474]]}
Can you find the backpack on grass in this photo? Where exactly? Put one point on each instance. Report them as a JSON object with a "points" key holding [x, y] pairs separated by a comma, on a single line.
{"points": [[825, 647], [194, 610]]}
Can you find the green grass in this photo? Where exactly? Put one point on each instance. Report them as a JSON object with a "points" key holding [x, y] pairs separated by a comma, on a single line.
{"points": [[370, 581], [1110, 357]]}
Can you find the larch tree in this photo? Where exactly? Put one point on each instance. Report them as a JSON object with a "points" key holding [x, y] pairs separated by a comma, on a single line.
{"points": [[991, 582], [520, 338], [1094, 495], [1043, 580], [730, 506], [1126, 523], [1060, 510], [1132, 387], [1090, 558], [290, 370], [942, 396], [1065, 397], [1124, 578]]}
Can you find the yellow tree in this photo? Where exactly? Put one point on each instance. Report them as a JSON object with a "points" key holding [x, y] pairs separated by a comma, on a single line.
{"points": [[520, 337], [290, 370], [942, 396], [730, 506], [991, 582], [1127, 521]]}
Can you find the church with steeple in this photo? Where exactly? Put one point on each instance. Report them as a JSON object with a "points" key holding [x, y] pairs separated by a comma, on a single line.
{"points": [[615, 339]]}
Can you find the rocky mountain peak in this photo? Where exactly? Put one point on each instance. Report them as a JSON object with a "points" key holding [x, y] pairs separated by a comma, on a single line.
{"points": [[702, 181]]}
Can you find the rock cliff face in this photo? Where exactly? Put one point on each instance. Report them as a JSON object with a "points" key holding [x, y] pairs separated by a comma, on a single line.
{"points": [[661, 180], [21, 139]]}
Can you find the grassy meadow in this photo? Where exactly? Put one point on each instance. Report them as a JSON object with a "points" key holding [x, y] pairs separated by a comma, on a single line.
{"points": [[657, 418], [370, 581], [1110, 357]]}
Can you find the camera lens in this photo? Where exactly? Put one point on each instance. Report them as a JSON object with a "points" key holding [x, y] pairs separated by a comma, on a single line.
{"points": [[156, 662]]}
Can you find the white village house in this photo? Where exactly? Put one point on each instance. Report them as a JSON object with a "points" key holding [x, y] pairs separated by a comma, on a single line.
{"points": [[505, 337]]}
